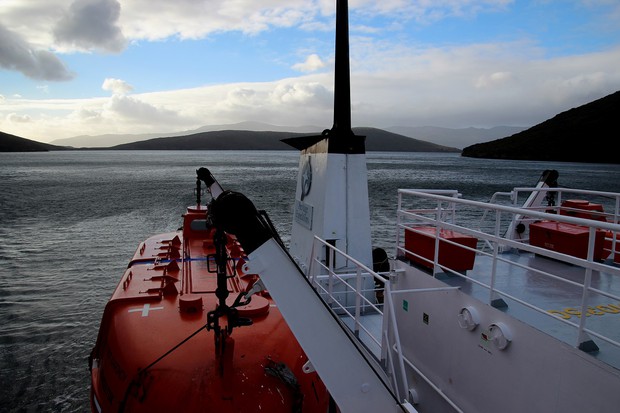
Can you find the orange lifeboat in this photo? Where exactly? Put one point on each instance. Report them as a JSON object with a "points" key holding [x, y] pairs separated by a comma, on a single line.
{"points": [[180, 334]]}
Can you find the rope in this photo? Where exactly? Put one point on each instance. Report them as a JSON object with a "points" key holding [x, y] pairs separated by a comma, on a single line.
{"points": [[139, 376]]}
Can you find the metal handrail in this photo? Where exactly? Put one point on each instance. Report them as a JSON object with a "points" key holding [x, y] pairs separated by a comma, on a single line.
{"points": [[335, 284], [360, 271], [409, 218], [357, 271]]}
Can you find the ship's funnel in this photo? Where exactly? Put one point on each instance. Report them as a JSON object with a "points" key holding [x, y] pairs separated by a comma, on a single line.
{"points": [[331, 199]]}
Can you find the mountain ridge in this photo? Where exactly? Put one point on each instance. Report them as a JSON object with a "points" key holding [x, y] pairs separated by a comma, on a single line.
{"points": [[376, 140], [109, 140], [12, 143], [456, 138], [583, 134], [587, 133]]}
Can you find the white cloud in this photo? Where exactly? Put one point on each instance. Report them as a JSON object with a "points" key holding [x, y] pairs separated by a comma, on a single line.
{"points": [[116, 86], [15, 118], [120, 107], [311, 64], [494, 79], [392, 83], [441, 87], [300, 93], [241, 96], [190, 19], [477, 85], [427, 11], [85, 115], [107, 25]]}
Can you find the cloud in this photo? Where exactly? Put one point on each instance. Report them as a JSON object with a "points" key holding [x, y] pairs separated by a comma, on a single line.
{"points": [[300, 93], [16, 54], [191, 19], [116, 86], [476, 85], [16, 118], [91, 24], [85, 115], [286, 102], [242, 96], [496, 78], [428, 11], [312, 63], [108, 25], [133, 109]]}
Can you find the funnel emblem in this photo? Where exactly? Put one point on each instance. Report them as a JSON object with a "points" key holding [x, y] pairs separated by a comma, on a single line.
{"points": [[306, 179]]}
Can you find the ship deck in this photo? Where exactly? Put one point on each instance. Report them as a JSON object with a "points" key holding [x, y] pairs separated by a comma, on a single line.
{"points": [[542, 285], [522, 286], [563, 306], [552, 267]]}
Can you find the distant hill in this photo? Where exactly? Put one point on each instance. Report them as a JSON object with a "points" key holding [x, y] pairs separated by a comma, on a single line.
{"points": [[382, 140], [588, 133], [456, 138], [12, 143], [453, 138], [101, 141], [215, 140], [376, 140]]}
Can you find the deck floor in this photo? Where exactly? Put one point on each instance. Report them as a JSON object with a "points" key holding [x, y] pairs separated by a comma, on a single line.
{"points": [[560, 300]]}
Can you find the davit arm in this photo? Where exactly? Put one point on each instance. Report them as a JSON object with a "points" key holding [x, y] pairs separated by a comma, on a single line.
{"points": [[354, 379]]}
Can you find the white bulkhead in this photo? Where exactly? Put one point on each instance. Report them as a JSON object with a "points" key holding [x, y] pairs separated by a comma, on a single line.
{"points": [[331, 202]]}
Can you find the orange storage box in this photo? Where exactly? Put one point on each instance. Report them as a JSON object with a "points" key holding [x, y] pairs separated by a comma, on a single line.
{"points": [[452, 256], [566, 238], [581, 208]]}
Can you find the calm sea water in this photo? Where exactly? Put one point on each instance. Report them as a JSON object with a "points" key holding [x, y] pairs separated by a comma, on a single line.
{"points": [[70, 221]]}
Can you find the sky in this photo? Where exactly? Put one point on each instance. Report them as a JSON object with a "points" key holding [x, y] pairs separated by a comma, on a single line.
{"points": [[95, 67]]}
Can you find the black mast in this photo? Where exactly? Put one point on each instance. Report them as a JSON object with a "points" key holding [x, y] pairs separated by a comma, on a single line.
{"points": [[340, 138], [342, 78]]}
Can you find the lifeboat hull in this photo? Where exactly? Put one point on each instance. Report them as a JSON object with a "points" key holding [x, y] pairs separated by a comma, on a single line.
{"points": [[156, 352]]}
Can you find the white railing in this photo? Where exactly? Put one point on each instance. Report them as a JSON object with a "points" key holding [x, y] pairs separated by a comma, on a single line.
{"points": [[425, 209], [353, 290], [338, 285], [610, 201]]}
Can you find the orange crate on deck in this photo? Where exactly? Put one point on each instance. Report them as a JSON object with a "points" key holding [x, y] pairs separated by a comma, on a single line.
{"points": [[566, 238], [581, 208], [452, 256]]}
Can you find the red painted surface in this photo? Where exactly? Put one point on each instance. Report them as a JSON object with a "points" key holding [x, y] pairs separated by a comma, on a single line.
{"points": [[162, 299], [580, 208], [566, 238], [455, 257]]}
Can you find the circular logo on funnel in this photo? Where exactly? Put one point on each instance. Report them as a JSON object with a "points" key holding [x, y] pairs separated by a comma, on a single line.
{"points": [[306, 179]]}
